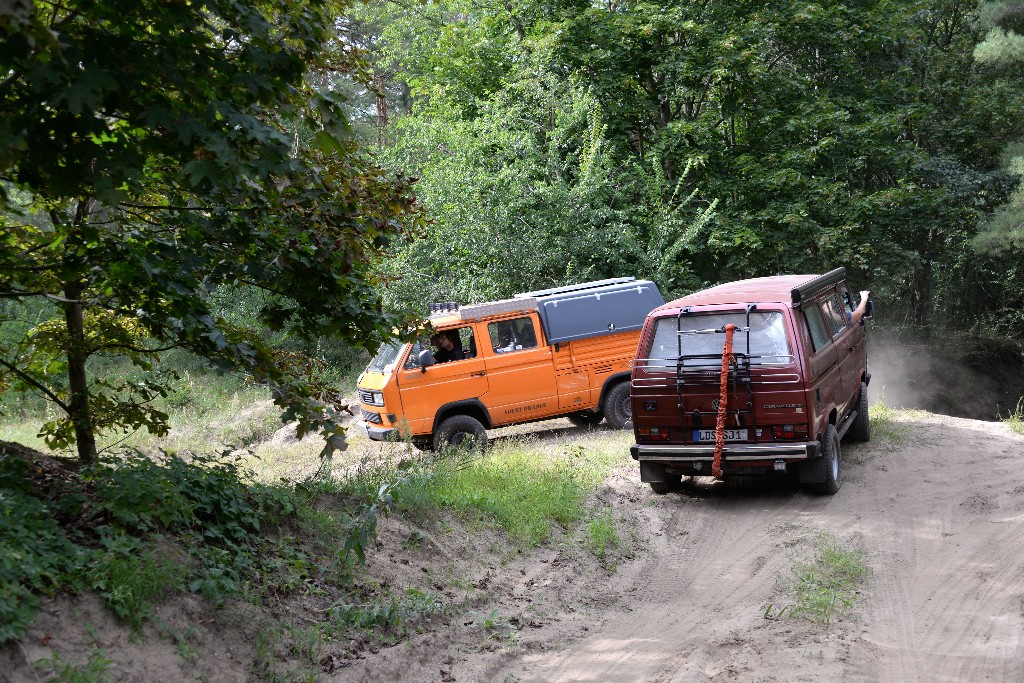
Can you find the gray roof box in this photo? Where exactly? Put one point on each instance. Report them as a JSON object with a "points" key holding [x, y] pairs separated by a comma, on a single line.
{"points": [[591, 309]]}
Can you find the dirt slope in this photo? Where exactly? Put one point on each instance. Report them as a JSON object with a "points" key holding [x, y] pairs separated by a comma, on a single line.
{"points": [[939, 516]]}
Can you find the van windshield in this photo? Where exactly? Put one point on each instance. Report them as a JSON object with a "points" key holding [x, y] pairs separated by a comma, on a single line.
{"points": [[386, 356], [769, 344]]}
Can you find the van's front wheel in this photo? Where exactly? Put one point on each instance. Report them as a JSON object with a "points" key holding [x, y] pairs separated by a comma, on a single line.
{"points": [[617, 408], [460, 431]]}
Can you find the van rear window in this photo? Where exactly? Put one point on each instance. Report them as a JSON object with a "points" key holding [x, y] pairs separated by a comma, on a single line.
{"points": [[769, 343]]}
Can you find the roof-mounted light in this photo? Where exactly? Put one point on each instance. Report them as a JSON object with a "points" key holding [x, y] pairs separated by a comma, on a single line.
{"points": [[443, 308]]}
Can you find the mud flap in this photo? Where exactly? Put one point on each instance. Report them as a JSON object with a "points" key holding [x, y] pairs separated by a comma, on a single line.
{"points": [[652, 471], [813, 471]]}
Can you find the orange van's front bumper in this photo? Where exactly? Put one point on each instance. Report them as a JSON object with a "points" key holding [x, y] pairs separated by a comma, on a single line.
{"points": [[375, 433]]}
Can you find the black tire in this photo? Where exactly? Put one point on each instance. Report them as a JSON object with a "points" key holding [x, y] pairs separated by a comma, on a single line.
{"points": [[671, 483], [860, 430], [423, 444], [460, 431], [586, 418], [617, 407], [833, 465]]}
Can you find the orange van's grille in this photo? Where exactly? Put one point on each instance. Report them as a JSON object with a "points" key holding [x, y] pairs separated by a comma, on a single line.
{"points": [[370, 417], [365, 395]]}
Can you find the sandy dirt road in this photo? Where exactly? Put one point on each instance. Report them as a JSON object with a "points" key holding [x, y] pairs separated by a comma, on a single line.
{"points": [[940, 516]]}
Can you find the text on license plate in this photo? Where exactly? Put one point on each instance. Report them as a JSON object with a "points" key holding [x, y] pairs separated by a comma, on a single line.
{"points": [[730, 435]]}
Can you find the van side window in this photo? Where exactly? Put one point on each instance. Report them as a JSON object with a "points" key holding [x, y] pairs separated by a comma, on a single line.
{"points": [[512, 335], [848, 305], [820, 334], [834, 311]]}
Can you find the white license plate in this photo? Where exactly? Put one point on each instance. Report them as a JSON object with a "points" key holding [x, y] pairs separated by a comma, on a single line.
{"points": [[702, 435]]}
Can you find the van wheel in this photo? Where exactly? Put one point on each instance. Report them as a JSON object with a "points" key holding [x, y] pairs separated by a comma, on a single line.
{"points": [[460, 431], [833, 465], [673, 482], [860, 430], [617, 407], [586, 418]]}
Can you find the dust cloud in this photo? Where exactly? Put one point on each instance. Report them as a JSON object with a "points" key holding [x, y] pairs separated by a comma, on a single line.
{"points": [[981, 379]]}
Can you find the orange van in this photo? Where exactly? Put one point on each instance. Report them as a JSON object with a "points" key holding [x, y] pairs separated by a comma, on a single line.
{"points": [[544, 354]]}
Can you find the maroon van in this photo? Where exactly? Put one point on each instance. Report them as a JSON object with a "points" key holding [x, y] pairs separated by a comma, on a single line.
{"points": [[794, 384]]}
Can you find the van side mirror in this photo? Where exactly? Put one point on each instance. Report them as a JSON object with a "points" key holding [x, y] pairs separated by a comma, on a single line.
{"points": [[426, 359], [869, 311]]}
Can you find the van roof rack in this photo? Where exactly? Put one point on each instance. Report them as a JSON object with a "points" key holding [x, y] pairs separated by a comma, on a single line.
{"points": [[574, 288]]}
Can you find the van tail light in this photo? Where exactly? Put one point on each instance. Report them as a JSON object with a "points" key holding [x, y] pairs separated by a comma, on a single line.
{"points": [[652, 434], [790, 432]]}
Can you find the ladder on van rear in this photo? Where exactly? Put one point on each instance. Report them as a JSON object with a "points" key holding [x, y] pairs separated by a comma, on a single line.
{"points": [[703, 371]]}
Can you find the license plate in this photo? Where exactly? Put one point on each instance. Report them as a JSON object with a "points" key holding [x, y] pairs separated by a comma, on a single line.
{"points": [[702, 435]]}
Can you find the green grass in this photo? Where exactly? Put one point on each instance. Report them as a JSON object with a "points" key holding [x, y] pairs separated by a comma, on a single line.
{"points": [[887, 423], [519, 486], [601, 535], [95, 670], [826, 587], [129, 575], [1015, 420]]}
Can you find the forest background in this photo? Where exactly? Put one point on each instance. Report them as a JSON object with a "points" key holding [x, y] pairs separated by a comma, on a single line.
{"points": [[551, 141]]}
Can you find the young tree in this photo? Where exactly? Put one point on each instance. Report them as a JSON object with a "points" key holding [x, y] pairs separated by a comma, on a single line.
{"points": [[153, 151]]}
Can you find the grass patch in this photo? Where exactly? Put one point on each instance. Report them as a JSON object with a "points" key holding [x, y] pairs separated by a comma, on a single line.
{"points": [[517, 486], [825, 588], [601, 535], [887, 422], [1015, 420], [95, 670]]}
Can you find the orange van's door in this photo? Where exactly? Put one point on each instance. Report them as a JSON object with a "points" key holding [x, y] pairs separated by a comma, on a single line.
{"points": [[424, 392], [520, 371]]}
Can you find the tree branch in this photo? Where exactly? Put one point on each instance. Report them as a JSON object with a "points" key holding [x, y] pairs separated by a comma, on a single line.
{"points": [[37, 384]]}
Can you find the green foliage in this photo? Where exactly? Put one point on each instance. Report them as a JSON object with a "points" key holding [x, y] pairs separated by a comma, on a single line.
{"points": [[143, 528], [698, 143], [211, 162], [95, 670], [128, 575], [35, 554], [390, 614]]}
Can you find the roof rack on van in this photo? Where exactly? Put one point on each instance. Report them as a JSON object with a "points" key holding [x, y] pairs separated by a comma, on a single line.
{"points": [[497, 307], [574, 288], [812, 287]]}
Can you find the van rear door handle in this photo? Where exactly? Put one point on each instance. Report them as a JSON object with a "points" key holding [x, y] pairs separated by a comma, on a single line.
{"points": [[479, 374], [854, 347]]}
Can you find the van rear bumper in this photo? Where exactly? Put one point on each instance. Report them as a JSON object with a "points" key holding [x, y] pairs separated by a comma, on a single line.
{"points": [[668, 453]]}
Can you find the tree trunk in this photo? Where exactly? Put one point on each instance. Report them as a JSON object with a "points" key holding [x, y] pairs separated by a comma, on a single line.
{"points": [[78, 383]]}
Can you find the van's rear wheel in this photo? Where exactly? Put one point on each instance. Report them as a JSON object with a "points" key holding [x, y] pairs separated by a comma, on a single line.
{"points": [[586, 418], [460, 431], [860, 430], [673, 482], [617, 407], [833, 465]]}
